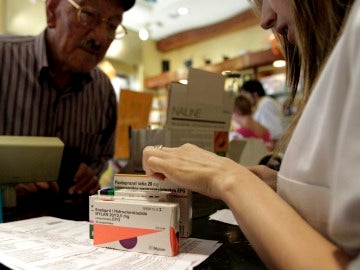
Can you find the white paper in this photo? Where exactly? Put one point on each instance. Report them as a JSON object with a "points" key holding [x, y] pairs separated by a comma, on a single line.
{"points": [[53, 243], [225, 216]]}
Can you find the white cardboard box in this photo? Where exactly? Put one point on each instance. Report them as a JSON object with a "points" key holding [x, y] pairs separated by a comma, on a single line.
{"points": [[178, 195], [199, 112]]}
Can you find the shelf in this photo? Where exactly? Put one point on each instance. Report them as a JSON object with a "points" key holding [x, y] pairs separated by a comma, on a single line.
{"points": [[246, 61], [165, 79]]}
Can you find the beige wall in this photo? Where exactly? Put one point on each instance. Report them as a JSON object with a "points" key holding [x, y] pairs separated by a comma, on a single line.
{"points": [[231, 45], [2, 16], [251, 39], [151, 59]]}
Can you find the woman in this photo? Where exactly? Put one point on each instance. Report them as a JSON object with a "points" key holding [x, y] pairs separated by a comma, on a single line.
{"points": [[312, 221]]}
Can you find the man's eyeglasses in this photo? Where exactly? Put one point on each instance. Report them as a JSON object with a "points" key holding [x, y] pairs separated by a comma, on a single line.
{"points": [[90, 18]]}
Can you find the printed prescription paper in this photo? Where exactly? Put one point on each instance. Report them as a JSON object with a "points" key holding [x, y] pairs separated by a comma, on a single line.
{"points": [[51, 243]]}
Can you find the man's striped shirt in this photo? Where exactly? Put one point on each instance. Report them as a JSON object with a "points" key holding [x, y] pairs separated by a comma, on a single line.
{"points": [[83, 116]]}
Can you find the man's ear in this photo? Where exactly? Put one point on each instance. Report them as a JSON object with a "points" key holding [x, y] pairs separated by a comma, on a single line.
{"points": [[51, 6]]}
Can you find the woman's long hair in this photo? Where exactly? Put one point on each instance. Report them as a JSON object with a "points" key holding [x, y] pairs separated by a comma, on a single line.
{"points": [[318, 27], [318, 24]]}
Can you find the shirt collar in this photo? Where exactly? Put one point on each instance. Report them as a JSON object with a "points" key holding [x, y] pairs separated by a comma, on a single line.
{"points": [[40, 51]]}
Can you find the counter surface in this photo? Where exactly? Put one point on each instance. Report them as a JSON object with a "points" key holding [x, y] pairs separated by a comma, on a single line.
{"points": [[234, 253]]}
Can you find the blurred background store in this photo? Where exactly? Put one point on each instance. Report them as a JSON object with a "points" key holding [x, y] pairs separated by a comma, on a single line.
{"points": [[166, 37]]}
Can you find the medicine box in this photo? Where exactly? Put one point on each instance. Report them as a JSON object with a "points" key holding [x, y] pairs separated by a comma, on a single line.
{"points": [[199, 112], [131, 194], [135, 225], [178, 195]]}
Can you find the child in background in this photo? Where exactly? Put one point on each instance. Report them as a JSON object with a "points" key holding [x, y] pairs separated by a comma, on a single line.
{"points": [[249, 128]]}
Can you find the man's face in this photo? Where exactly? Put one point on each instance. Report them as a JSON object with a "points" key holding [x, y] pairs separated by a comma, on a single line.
{"points": [[77, 47]]}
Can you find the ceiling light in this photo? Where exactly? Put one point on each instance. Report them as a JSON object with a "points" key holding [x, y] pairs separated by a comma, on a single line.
{"points": [[183, 81], [183, 11], [148, 28], [279, 63], [231, 74], [144, 34]]}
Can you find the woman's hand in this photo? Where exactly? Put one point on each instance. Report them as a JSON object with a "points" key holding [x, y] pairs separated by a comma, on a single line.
{"points": [[193, 168]]}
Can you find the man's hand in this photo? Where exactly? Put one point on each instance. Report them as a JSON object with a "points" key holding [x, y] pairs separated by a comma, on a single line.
{"points": [[23, 189], [86, 181]]}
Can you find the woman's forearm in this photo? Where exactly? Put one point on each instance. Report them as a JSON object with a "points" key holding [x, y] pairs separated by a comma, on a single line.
{"points": [[278, 234]]}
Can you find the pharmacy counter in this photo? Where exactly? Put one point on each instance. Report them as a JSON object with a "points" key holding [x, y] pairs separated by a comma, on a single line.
{"points": [[234, 253]]}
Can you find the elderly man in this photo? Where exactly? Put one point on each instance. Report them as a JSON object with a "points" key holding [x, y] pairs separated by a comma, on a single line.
{"points": [[50, 86]]}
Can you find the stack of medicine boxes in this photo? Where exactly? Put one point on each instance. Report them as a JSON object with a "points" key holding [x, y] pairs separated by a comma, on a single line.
{"points": [[141, 214]]}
